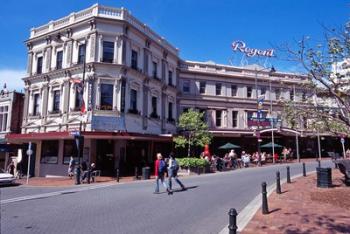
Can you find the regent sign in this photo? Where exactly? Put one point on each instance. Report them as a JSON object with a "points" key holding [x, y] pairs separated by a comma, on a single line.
{"points": [[251, 52]]}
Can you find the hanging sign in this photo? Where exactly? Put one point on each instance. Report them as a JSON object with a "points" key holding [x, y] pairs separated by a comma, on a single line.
{"points": [[251, 52]]}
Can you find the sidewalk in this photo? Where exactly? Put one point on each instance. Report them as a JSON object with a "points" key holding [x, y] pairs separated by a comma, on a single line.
{"points": [[67, 182], [304, 208]]}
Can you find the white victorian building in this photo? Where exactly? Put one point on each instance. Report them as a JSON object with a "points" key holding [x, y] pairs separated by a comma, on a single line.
{"points": [[102, 72]]}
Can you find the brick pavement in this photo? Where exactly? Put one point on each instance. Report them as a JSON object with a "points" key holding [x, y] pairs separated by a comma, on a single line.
{"points": [[304, 208]]}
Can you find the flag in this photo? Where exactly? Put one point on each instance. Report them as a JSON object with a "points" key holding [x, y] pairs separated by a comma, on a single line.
{"points": [[79, 84]]}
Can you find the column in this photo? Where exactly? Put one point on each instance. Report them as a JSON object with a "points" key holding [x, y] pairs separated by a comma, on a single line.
{"points": [[37, 158], [92, 48], [98, 94], [115, 95], [26, 104], [50, 100], [69, 50], [145, 61], [100, 48], [115, 52], [145, 106], [44, 99], [66, 92], [30, 64], [48, 58]]}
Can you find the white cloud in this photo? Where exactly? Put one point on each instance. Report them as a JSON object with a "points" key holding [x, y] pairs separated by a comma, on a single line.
{"points": [[12, 78]]}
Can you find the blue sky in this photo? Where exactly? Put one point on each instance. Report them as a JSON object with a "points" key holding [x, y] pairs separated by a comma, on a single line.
{"points": [[203, 30]]}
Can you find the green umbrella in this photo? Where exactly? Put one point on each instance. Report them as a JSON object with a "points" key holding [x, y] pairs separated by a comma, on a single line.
{"points": [[269, 145], [229, 146]]}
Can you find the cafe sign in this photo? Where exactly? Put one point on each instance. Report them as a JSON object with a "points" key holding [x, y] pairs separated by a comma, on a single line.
{"points": [[240, 46]]}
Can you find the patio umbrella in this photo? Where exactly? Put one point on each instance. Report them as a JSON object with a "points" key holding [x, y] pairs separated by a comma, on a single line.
{"points": [[269, 145], [229, 146]]}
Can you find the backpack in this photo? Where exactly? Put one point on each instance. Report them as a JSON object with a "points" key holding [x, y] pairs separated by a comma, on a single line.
{"points": [[162, 166], [175, 166]]}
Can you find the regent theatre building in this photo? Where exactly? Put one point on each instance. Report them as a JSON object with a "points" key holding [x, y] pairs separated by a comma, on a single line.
{"points": [[102, 74]]}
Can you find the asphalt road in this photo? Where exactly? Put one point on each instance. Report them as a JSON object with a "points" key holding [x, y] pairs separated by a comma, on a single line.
{"points": [[133, 208]]}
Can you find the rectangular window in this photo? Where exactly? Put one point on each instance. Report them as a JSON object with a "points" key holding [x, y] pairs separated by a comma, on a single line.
{"points": [[78, 96], [56, 101], [262, 91], [106, 96], [170, 78], [49, 152], [218, 118], [186, 86], [234, 119], [108, 52], [36, 104], [81, 54], [39, 65], [3, 118], [278, 94], [249, 92], [133, 100], [122, 98], [233, 90], [155, 65], [170, 111], [69, 149], [303, 96], [59, 59], [291, 95], [133, 59], [218, 88], [202, 85], [154, 108]]}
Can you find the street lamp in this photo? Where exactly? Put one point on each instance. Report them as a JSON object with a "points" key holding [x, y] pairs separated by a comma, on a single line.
{"points": [[259, 111]]}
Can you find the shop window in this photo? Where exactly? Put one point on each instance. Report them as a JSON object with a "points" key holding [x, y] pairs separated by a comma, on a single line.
{"points": [[69, 149], [49, 152]]}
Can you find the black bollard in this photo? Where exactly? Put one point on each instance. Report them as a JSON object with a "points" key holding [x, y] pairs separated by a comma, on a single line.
{"points": [[304, 170], [319, 163], [288, 175], [265, 208], [278, 183], [136, 173], [232, 227], [118, 175], [77, 175], [89, 175]]}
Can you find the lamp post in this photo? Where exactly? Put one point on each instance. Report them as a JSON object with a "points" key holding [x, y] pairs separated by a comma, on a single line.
{"points": [[259, 111]]}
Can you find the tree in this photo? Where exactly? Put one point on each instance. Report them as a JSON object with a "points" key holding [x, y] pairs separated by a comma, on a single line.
{"points": [[327, 77], [194, 131]]}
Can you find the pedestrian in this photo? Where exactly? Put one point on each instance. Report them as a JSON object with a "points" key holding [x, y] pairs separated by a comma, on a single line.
{"points": [[71, 167], [84, 169], [245, 159], [160, 169], [11, 168], [173, 168]]}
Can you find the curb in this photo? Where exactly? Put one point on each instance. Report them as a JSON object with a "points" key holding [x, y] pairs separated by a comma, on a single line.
{"points": [[250, 210]]}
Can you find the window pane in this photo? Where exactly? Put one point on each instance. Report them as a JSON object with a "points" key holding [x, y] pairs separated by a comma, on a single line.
{"points": [[218, 118], [249, 92], [69, 149], [202, 87], [82, 52], [218, 88], [108, 51], [170, 111], [133, 99], [49, 152], [186, 87], [56, 100], [134, 59], [234, 119], [233, 90], [39, 65], [170, 78], [106, 96], [36, 104], [155, 70], [59, 59]]}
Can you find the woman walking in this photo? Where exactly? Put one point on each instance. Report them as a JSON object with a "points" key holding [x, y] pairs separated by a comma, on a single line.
{"points": [[160, 169], [172, 171]]}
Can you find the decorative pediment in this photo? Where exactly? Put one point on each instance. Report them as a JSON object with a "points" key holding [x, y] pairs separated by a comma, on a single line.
{"points": [[135, 85], [155, 92]]}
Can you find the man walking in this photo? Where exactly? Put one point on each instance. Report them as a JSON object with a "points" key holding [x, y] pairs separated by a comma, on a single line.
{"points": [[160, 169], [172, 171]]}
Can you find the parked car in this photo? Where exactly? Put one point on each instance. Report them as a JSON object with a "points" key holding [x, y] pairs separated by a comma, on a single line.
{"points": [[6, 178]]}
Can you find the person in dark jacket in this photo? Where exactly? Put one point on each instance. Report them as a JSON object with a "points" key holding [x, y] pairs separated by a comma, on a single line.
{"points": [[172, 171]]}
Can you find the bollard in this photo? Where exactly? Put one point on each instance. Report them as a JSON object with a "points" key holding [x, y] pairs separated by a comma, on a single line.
{"points": [[319, 163], [278, 183], [118, 175], [89, 175], [232, 226], [264, 208], [288, 175], [77, 175], [304, 170], [136, 173]]}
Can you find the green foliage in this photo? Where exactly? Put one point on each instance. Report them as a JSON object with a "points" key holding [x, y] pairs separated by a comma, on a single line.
{"points": [[194, 130], [192, 162]]}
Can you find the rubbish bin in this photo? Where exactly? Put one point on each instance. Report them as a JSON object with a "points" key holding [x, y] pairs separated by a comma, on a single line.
{"points": [[324, 177], [146, 173]]}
